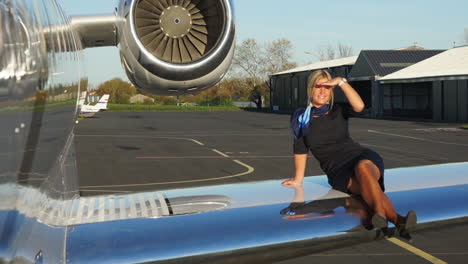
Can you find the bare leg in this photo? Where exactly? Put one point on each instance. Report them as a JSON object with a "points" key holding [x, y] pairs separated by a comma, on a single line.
{"points": [[355, 205], [390, 212], [364, 182]]}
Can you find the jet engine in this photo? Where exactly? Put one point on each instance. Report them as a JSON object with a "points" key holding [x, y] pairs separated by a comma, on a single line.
{"points": [[174, 47]]}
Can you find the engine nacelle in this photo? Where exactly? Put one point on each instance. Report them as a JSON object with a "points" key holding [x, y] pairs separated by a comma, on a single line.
{"points": [[174, 47]]}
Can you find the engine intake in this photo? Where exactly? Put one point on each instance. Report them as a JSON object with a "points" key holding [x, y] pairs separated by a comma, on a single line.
{"points": [[176, 46], [179, 31]]}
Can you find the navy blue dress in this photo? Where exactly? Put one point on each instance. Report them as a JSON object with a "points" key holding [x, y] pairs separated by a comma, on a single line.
{"points": [[329, 141]]}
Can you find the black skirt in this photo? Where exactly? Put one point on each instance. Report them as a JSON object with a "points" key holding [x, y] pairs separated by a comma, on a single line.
{"points": [[339, 179]]}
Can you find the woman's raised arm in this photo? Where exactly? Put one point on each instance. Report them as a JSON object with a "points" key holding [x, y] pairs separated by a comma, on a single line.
{"points": [[353, 97]]}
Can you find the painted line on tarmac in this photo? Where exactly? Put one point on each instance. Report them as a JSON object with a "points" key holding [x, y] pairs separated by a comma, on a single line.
{"points": [[198, 142], [169, 135], [220, 153], [383, 254], [249, 168], [416, 251], [408, 152], [142, 136], [415, 138], [182, 157], [248, 171], [221, 157]]}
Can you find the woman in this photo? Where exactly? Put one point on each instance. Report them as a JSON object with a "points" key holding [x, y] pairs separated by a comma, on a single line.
{"points": [[322, 128]]}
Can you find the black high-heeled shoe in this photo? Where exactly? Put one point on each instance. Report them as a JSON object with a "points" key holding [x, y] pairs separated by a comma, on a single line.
{"points": [[407, 224], [379, 221]]}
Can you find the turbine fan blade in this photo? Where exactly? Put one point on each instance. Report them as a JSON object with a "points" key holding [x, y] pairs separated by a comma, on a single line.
{"points": [[184, 52], [201, 29], [194, 54], [168, 50], [148, 6], [159, 52], [200, 22], [202, 37], [176, 56], [179, 31]]}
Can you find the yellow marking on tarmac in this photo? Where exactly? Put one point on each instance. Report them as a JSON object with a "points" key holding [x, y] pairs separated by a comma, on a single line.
{"points": [[416, 251], [198, 142], [142, 137], [249, 170], [218, 157], [220, 153], [183, 157]]}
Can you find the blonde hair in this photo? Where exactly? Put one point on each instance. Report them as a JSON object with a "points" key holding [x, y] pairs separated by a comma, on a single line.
{"points": [[313, 78]]}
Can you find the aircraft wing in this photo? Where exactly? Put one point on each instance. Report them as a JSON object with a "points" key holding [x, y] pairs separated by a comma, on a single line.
{"points": [[252, 228], [242, 223]]}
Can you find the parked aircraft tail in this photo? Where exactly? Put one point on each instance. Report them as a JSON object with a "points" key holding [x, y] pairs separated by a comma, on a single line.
{"points": [[102, 103]]}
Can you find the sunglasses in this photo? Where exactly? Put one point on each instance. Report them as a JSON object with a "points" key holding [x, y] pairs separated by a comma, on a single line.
{"points": [[322, 86]]}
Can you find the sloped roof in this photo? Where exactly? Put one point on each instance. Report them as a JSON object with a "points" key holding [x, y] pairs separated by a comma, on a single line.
{"points": [[383, 62], [451, 64], [322, 65]]}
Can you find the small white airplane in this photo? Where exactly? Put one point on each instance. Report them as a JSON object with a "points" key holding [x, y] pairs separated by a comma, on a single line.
{"points": [[89, 110]]}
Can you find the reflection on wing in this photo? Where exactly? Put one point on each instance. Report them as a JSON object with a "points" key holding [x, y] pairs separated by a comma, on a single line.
{"points": [[39, 88], [254, 229], [85, 210]]}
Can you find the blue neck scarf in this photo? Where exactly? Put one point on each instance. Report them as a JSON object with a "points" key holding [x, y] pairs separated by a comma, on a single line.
{"points": [[301, 121]]}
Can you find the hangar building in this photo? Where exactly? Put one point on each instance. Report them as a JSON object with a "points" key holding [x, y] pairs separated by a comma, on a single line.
{"points": [[436, 88], [414, 84]]}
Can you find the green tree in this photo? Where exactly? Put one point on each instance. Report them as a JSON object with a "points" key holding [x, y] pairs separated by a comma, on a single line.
{"points": [[148, 101], [119, 91], [164, 100], [255, 62]]}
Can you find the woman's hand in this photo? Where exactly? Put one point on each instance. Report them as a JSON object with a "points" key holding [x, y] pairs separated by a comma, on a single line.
{"points": [[291, 183], [331, 83]]}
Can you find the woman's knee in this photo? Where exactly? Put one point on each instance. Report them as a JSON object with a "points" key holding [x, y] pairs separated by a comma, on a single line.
{"points": [[353, 186], [366, 169]]}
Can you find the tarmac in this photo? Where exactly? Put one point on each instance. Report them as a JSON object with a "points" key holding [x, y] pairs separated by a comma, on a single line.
{"points": [[120, 152]]}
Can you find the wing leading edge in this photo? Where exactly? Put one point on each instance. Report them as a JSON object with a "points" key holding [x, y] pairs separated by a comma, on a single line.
{"points": [[255, 229]]}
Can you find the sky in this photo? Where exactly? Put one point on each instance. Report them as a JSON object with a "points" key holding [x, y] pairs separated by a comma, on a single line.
{"points": [[313, 24]]}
